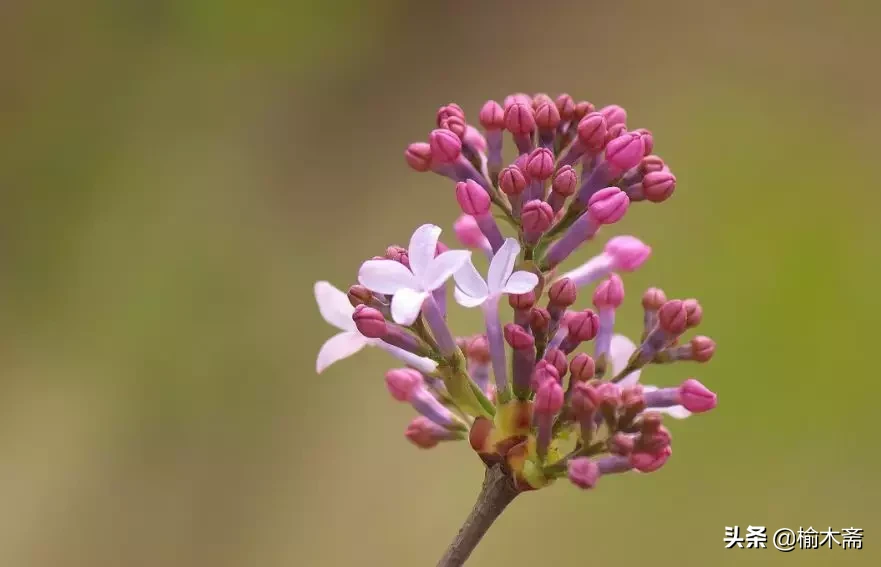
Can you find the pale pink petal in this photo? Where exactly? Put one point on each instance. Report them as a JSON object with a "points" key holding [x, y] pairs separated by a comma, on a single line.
{"points": [[466, 300], [470, 282], [420, 363], [385, 276], [676, 412], [502, 265], [521, 282], [406, 305], [334, 306], [620, 351], [443, 267], [423, 245], [339, 347]]}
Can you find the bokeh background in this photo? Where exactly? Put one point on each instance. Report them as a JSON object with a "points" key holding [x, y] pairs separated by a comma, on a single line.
{"points": [[175, 175]]}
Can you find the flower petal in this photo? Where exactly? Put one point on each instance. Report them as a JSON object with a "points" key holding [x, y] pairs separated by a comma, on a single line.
{"points": [[421, 363], [443, 267], [620, 351], [334, 306], [339, 347], [502, 265], [385, 276], [406, 305], [466, 300], [469, 281], [521, 282], [676, 412], [423, 245]]}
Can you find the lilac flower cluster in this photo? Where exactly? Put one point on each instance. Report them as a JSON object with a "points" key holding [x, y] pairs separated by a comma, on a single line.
{"points": [[550, 409]]}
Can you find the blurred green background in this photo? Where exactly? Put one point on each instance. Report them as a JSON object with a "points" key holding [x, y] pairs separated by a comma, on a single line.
{"points": [[175, 175]]}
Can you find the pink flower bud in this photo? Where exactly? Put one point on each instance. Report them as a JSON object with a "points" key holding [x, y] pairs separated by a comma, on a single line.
{"points": [[614, 114], [658, 185], [472, 198], [583, 472], [609, 294], [608, 205], [609, 394], [370, 322], [477, 349], [446, 147], [492, 116], [541, 98], [582, 109], [557, 359], [547, 116], [651, 163], [647, 139], [517, 98], [565, 107], [583, 326], [582, 367], [563, 292], [548, 398], [543, 372], [456, 125], [424, 433], [565, 181], [418, 156], [702, 348], [696, 397], [517, 337], [654, 440], [615, 131], [519, 119], [359, 295], [632, 398], [627, 252], [449, 111], [523, 301], [537, 216], [653, 299], [651, 421], [469, 233], [673, 318], [621, 444], [694, 311], [585, 399], [650, 462], [539, 319], [474, 138], [624, 152], [402, 383], [540, 164], [592, 131], [398, 254], [512, 181]]}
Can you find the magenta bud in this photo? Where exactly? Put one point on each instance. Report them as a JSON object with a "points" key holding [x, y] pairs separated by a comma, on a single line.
{"points": [[474, 138], [492, 116], [694, 311], [540, 164], [651, 163], [565, 181], [583, 326], [654, 440], [517, 337], [468, 232], [593, 131], [621, 444], [582, 367], [522, 301], [614, 114], [398, 254], [563, 292], [565, 107], [627, 252], [370, 322], [541, 98], [650, 462], [624, 152], [696, 397], [615, 131], [517, 98], [608, 394], [424, 433], [609, 294], [658, 185], [543, 372], [537, 216], [418, 156], [585, 399], [402, 383], [647, 139], [547, 116], [448, 111], [632, 398], [608, 205], [519, 119], [583, 472], [456, 125], [557, 359], [582, 109], [359, 295], [653, 299], [702, 348], [473, 198], [673, 318], [446, 147], [539, 319], [548, 398], [512, 181], [477, 349]]}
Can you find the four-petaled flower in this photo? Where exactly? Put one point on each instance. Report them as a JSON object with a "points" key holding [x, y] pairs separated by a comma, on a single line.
{"points": [[471, 290], [410, 287]]}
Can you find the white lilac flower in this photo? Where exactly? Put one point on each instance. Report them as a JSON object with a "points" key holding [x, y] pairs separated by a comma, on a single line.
{"points": [[336, 309], [620, 351]]}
